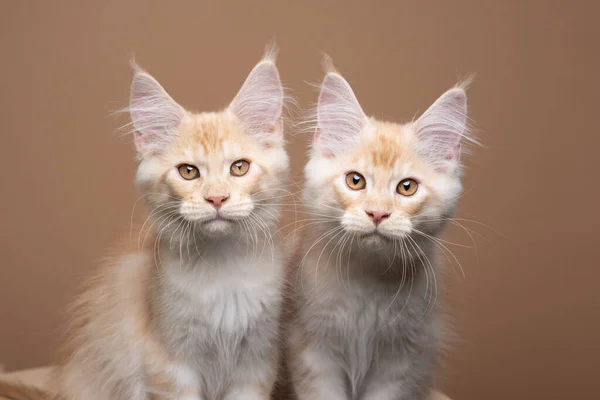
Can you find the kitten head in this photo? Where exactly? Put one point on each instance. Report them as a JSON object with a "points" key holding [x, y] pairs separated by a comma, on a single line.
{"points": [[384, 182], [211, 173]]}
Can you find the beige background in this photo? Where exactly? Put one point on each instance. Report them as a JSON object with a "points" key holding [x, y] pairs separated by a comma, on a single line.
{"points": [[527, 312]]}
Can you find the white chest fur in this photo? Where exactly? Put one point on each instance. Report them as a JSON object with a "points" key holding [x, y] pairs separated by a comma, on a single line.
{"points": [[359, 322], [226, 294], [217, 309]]}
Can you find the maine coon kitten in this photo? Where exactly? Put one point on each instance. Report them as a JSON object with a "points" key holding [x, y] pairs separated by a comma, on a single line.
{"points": [[365, 324], [195, 315]]}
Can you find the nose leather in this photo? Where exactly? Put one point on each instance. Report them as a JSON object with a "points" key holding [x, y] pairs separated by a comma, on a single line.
{"points": [[377, 216], [216, 201]]}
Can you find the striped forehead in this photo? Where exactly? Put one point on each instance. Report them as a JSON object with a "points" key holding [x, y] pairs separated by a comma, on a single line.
{"points": [[209, 136], [385, 152]]}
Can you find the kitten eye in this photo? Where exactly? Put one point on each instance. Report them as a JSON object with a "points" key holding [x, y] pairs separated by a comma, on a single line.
{"points": [[188, 172], [407, 187], [355, 181], [240, 168]]}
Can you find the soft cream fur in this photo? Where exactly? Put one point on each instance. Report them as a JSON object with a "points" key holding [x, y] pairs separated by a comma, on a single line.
{"points": [[365, 322], [191, 312]]}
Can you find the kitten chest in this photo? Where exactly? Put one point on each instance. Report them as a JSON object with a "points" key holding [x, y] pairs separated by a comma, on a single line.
{"points": [[213, 318], [359, 323]]}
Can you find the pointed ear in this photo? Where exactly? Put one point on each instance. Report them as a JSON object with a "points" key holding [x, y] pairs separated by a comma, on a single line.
{"points": [[440, 130], [259, 103], [340, 118], [154, 114]]}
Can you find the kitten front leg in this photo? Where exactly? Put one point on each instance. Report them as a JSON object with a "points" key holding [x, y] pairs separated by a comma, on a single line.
{"points": [[395, 390], [168, 380], [315, 374], [248, 391], [254, 380], [256, 387], [405, 378], [256, 372], [176, 383]]}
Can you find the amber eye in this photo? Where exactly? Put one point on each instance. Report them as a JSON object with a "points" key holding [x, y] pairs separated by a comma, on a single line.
{"points": [[355, 181], [188, 172], [407, 187], [240, 168]]}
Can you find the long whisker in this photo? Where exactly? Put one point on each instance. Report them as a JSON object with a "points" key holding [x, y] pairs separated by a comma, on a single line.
{"points": [[266, 231], [443, 248], [157, 210], [317, 241], [402, 279], [339, 258], [321, 253], [427, 264], [406, 256], [160, 220], [133, 212]]}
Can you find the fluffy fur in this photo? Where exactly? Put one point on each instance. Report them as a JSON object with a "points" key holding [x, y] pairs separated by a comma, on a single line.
{"points": [[365, 323], [193, 313], [17, 391]]}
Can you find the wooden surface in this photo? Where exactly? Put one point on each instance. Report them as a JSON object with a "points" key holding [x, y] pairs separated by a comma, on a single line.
{"points": [[38, 377]]}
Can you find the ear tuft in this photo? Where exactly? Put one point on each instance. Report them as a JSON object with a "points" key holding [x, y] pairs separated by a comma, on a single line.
{"points": [[259, 103], [340, 118], [440, 129], [328, 65], [154, 114]]}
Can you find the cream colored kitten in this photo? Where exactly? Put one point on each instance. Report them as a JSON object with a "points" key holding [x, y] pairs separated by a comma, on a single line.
{"points": [[365, 324], [194, 316]]}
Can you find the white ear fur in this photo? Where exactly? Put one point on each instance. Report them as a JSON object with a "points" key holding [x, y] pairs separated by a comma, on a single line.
{"points": [[440, 129], [259, 103], [154, 114], [340, 118]]}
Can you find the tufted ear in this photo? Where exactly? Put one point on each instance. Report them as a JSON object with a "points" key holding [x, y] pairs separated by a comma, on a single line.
{"points": [[340, 118], [440, 130], [259, 103], [154, 114]]}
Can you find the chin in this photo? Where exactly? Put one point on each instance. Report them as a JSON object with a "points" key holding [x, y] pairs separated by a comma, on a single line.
{"points": [[218, 228], [374, 241]]}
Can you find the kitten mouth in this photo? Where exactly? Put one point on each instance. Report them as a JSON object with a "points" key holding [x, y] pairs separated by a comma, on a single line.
{"points": [[218, 225], [375, 234], [218, 218]]}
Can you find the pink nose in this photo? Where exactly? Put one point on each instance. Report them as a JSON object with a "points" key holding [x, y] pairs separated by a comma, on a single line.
{"points": [[217, 201], [377, 216]]}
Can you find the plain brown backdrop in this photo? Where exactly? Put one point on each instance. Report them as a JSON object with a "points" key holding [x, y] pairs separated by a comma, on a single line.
{"points": [[527, 311]]}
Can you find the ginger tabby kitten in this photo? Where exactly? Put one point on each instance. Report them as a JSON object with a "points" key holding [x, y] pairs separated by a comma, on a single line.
{"points": [[365, 323], [194, 315]]}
